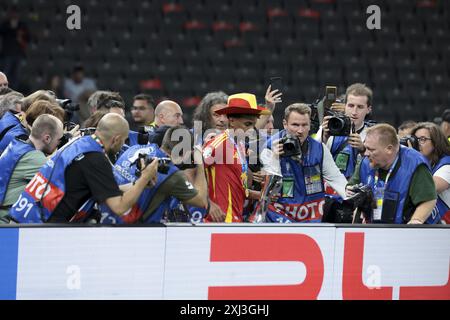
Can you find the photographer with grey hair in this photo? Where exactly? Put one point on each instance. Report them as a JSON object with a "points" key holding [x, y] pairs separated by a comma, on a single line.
{"points": [[10, 102]]}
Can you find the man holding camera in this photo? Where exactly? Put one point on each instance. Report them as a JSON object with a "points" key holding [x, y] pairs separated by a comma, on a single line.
{"points": [[155, 203], [77, 173], [346, 147], [304, 164], [400, 179]]}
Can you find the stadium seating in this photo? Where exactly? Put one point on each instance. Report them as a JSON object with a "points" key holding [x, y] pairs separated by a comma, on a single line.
{"points": [[193, 47]]}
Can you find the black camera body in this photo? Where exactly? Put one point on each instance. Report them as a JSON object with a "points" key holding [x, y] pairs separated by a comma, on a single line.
{"points": [[68, 105], [163, 164], [88, 131], [363, 200], [291, 146], [363, 197], [412, 139], [340, 125]]}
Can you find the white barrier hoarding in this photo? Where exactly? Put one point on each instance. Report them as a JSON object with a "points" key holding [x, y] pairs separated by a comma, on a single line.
{"points": [[225, 262], [249, 263], [392, 263], [91, 263]]}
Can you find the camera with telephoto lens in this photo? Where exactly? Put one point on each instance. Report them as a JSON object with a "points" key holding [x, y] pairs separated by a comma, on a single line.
{"points": [[163, 164], [412, 139], [339, 124], [363, 199], [291, 146], [68, 105]]}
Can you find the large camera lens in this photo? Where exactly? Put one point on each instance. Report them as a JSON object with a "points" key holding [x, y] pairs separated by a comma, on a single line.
{"points": [[412, 139], [291, 146], [336, 124], [340, 126]]}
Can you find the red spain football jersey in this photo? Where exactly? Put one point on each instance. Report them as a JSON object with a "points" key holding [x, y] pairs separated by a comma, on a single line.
{"points": [[226, 179]]}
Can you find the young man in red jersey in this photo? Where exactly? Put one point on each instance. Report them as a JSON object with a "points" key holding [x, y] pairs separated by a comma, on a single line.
{"points": [[225, 159]]}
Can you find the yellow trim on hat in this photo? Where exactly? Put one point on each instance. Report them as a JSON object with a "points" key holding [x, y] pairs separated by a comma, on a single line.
{"points": [[250, 98]]}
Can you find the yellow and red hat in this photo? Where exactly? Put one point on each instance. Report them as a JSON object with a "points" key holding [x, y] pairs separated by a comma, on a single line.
{"points": [[243, 103]]}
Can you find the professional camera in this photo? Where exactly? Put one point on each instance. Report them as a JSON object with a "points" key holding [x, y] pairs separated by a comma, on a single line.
{"points": [[88, 131], [362, 200], [339, 124], [291, 146], [163, 164], [68, 105], [412, 139], [64, 140]]}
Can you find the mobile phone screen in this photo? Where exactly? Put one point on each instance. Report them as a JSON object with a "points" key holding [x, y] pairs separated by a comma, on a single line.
{"points": [[276, 83]]}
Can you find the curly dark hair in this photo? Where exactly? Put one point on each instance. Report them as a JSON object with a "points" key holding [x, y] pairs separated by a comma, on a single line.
{"points": [[202, 113]]}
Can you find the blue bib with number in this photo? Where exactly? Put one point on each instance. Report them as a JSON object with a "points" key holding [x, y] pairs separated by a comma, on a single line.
{"points": [[44, 192]]}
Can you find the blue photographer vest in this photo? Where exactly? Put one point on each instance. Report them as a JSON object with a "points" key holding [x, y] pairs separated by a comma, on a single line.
{"points": [[8, 162], [8, 121], [124, 173], [133, 138], [306, 197], [44, 192], [441, 208], [346, 158], [398, 184], [16, 131]]}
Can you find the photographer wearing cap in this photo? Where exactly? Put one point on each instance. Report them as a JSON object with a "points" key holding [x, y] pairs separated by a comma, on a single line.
{"points": [[400, 179], [78, 172], [346, 149], [304, 164], [155, 203]]}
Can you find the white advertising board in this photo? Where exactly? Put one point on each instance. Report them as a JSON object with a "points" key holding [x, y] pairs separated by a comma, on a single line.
{"points": [[392, 263], [249, 263], [91, 263]]}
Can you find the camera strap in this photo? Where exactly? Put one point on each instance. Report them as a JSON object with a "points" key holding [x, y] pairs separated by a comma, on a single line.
{"points": [[379, 190]]}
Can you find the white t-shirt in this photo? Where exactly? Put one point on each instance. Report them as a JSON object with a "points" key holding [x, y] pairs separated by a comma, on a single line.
{"points": [[444, 173]]}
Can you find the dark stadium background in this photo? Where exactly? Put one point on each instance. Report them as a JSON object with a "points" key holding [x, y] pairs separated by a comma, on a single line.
{"points": [[184, 49]]}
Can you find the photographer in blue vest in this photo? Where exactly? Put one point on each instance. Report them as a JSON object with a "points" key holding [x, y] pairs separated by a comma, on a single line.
{"points": [[78, 173], [304, 165], [347, 149], [433, 144], [400, 179], [161, 201], [22, 159]]}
